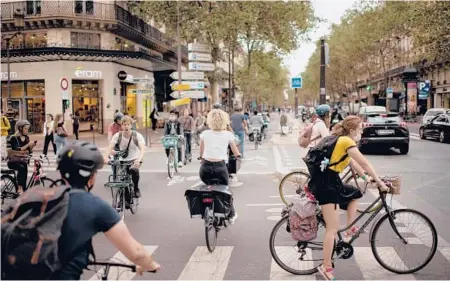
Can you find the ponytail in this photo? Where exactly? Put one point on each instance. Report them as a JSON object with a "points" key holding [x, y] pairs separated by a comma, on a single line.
{"points": [[343, 128], [339, 130]]}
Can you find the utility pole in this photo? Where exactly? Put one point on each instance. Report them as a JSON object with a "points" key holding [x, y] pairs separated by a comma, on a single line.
{"points": [[229, 80], [296, 103], [323, 94], [179, 47]]}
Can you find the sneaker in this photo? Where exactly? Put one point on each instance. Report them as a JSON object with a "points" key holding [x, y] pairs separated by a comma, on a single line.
{"points": [[233, 219], [180, 164]]}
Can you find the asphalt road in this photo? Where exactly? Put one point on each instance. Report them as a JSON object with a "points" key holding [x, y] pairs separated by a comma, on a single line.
{"points": [[164, 226]]}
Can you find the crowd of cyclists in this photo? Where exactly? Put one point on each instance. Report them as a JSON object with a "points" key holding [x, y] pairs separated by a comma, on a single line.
{"points": [[79, 162]]}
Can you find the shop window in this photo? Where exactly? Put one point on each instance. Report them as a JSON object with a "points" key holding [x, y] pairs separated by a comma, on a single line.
{"points": [[86, 102], [123, 45], [35, 40], [17, 89], [34, 7], [35, 88], [85, 40], [84, 7]]}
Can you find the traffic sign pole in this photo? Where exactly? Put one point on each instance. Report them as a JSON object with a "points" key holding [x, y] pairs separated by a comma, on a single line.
{"points": [[296, 103]]}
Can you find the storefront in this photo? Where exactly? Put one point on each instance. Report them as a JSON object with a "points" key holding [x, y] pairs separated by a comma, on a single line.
{"points": [[92, 89]]}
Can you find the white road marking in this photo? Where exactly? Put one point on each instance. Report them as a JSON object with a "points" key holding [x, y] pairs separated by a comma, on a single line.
{"points": [[277, 273], [278, 163], [265, 204], [372, 270], [274, 218], [116, 273], [204, 265], [274, 210]]}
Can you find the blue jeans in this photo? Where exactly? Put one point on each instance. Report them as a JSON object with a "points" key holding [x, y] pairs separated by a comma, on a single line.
{"points": [[60, 142], [241, 135]]}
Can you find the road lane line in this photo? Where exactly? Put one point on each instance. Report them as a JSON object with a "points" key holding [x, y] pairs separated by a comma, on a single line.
{"points": [[265, 204], [372, 270], [277, 273], [278, 162], [204, 265], [116, 273]]}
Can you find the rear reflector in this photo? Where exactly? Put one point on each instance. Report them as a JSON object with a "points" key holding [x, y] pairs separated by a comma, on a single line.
{"points": [[367, 125], [208, 200], [403, 124]]}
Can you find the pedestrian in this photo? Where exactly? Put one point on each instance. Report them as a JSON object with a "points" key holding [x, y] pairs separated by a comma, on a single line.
{"points": [[154, 117], [75, 124], [238, 125], [187, 122], [59, 132], [5, 127], [199, 127], [48, 135], [115, 127]]}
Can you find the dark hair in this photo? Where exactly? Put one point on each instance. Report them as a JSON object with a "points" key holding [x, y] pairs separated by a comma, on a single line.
{"points": [[255, 112], [173, 111], [177, 114], [51, 116]]}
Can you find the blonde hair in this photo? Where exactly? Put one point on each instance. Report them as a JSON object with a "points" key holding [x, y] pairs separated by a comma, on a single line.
{"points": [[58, 118], [127, 118], [349, 123], [218, 120]]}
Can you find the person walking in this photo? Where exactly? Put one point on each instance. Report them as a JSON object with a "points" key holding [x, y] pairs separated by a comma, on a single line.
{"points": [[59, 132], [238, 124], [154, 117], [5, 127], [75, 124], [188, 125], [48, 135]]}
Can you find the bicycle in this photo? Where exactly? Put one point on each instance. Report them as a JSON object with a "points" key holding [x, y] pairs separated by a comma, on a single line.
{"points": [[107, 266], [121, 185], [171, 143], [344, 249], [256, 136], [300, 181], [10, 184], [213, 204]]}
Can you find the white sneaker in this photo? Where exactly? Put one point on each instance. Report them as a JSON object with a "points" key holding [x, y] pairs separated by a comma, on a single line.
{"points": [[180, 164], [234, 218]]}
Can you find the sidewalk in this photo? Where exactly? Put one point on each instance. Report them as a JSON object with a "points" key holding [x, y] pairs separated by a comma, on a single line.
{"points": [[101, 140]]}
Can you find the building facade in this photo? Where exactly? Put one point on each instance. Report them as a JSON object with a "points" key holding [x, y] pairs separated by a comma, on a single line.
{"points": [[74, 51]]}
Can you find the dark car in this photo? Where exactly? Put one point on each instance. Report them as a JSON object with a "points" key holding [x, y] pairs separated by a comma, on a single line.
{"points": [[384, 131], [437, 128]]}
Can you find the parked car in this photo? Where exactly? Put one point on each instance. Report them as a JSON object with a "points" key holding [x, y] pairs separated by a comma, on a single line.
{"points": [[437, 128], [384, 130], [433, 112]]}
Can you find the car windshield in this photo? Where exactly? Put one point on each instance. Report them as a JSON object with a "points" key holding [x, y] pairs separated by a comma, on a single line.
{"points": [[384, 118], [433, 112], [380, 109]]}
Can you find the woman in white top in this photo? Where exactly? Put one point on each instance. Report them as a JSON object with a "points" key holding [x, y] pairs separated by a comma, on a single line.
{"points": [[320, 125], [48, 134], [214, 151]]}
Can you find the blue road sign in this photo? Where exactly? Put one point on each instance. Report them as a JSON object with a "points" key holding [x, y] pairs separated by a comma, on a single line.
{"points": [[389, 91], [296, 82]]}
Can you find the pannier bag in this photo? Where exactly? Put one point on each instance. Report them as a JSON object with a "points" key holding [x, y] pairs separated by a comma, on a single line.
{"points": [[303, 220], [221, 195]]}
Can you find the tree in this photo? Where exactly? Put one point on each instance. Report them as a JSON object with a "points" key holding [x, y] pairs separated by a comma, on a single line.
{"points": [[257, 24]]}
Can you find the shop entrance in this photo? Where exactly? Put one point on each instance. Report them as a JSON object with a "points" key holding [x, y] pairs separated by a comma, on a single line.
{"points": [[35, 113], [87, 105], [128, 99]]}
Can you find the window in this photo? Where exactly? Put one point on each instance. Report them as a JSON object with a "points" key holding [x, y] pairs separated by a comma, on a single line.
{"points": [[35, 88], [85, 40], [123, 45], [34, 7], [84, 7]]}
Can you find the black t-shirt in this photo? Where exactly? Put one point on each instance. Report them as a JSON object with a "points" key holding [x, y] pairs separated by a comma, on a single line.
{"points": [[16, 142], [87, 216]]}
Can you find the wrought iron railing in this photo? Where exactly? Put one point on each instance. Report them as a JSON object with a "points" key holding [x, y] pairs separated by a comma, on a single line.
{"points": [[85, 10]]}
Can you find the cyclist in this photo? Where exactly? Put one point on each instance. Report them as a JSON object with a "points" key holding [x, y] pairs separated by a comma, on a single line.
{"points": [[336, 117], [213, 152], [199, 127], [257, 121], [174, 128], [78, 164], [115, 127], [320, 125], [188, 125], [135, 144], [20, 141], [332, 193]]}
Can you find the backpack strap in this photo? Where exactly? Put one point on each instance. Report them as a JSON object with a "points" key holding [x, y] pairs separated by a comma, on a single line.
{"points": [[135, 140], [340, 160], [119, 139]]}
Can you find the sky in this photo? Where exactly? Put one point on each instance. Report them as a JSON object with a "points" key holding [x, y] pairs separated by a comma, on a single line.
{"points": [[331, 11]]}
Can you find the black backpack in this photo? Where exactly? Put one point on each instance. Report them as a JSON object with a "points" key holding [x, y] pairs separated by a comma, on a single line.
{"points": [[31, 228], [316, 159]]}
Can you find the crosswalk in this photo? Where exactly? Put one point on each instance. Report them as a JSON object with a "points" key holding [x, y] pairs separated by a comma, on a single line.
{"points": [[220, 265]]}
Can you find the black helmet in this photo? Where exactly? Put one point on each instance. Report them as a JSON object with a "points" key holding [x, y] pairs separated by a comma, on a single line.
{"points": [[78, 161], [118, 116], [22, 123], [217, 106]]}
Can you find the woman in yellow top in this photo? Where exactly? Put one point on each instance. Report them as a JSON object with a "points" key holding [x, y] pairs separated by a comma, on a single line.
{"points": [[338, 194]]}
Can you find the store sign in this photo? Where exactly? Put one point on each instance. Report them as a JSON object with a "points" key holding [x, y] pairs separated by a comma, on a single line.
{"points": [[5, 75], [122, 75], [93, 74]]}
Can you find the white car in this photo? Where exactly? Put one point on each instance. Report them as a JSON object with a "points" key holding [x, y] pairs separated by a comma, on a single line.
{"points": [[433, 112]]}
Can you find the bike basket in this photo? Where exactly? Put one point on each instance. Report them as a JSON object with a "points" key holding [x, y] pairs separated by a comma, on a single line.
{"points": [[169, 142], [394, 184]]}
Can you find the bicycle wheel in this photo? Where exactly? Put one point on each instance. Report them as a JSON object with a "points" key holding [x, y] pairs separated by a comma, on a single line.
{"points": [[210, 230], [364, 202], [9, 187], [422, 249], [170, 161], [59, 182], [291, 187], [45, 182], [117, 196], [296, 257], [256, 143], [134, 202], [176, 159]]}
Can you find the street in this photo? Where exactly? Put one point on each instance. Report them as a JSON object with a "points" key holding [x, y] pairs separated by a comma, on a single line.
{"points": [[164, 226]]}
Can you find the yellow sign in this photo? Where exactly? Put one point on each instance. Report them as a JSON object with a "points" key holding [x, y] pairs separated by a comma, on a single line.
{"points": [[181, 87], [147, 106], [179, 102]]}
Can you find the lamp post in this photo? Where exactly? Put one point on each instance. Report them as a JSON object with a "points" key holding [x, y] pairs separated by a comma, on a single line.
{"points": [[18, 24]]}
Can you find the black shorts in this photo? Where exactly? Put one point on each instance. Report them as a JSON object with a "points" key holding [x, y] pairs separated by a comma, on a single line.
{"points": [[330, 190]]}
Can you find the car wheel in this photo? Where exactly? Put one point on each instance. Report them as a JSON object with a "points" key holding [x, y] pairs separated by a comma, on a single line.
{"points": [[422, 135], [404, 149], [442, 137]]}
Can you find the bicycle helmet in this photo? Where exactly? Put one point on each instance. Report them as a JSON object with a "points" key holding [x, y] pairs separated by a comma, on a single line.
{"points": [[323, 109], [22, 123], [118, 116], [78, 161]]}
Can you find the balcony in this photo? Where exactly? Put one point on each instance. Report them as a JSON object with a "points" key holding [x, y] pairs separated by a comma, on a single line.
{"points": [[88, 15]]}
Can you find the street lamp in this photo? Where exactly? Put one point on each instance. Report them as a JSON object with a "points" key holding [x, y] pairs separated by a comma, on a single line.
{"points": [[19, 24]]}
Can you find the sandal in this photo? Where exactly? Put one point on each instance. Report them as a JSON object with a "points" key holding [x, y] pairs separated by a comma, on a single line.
{"points": [[326, 272], [353, 231]]}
